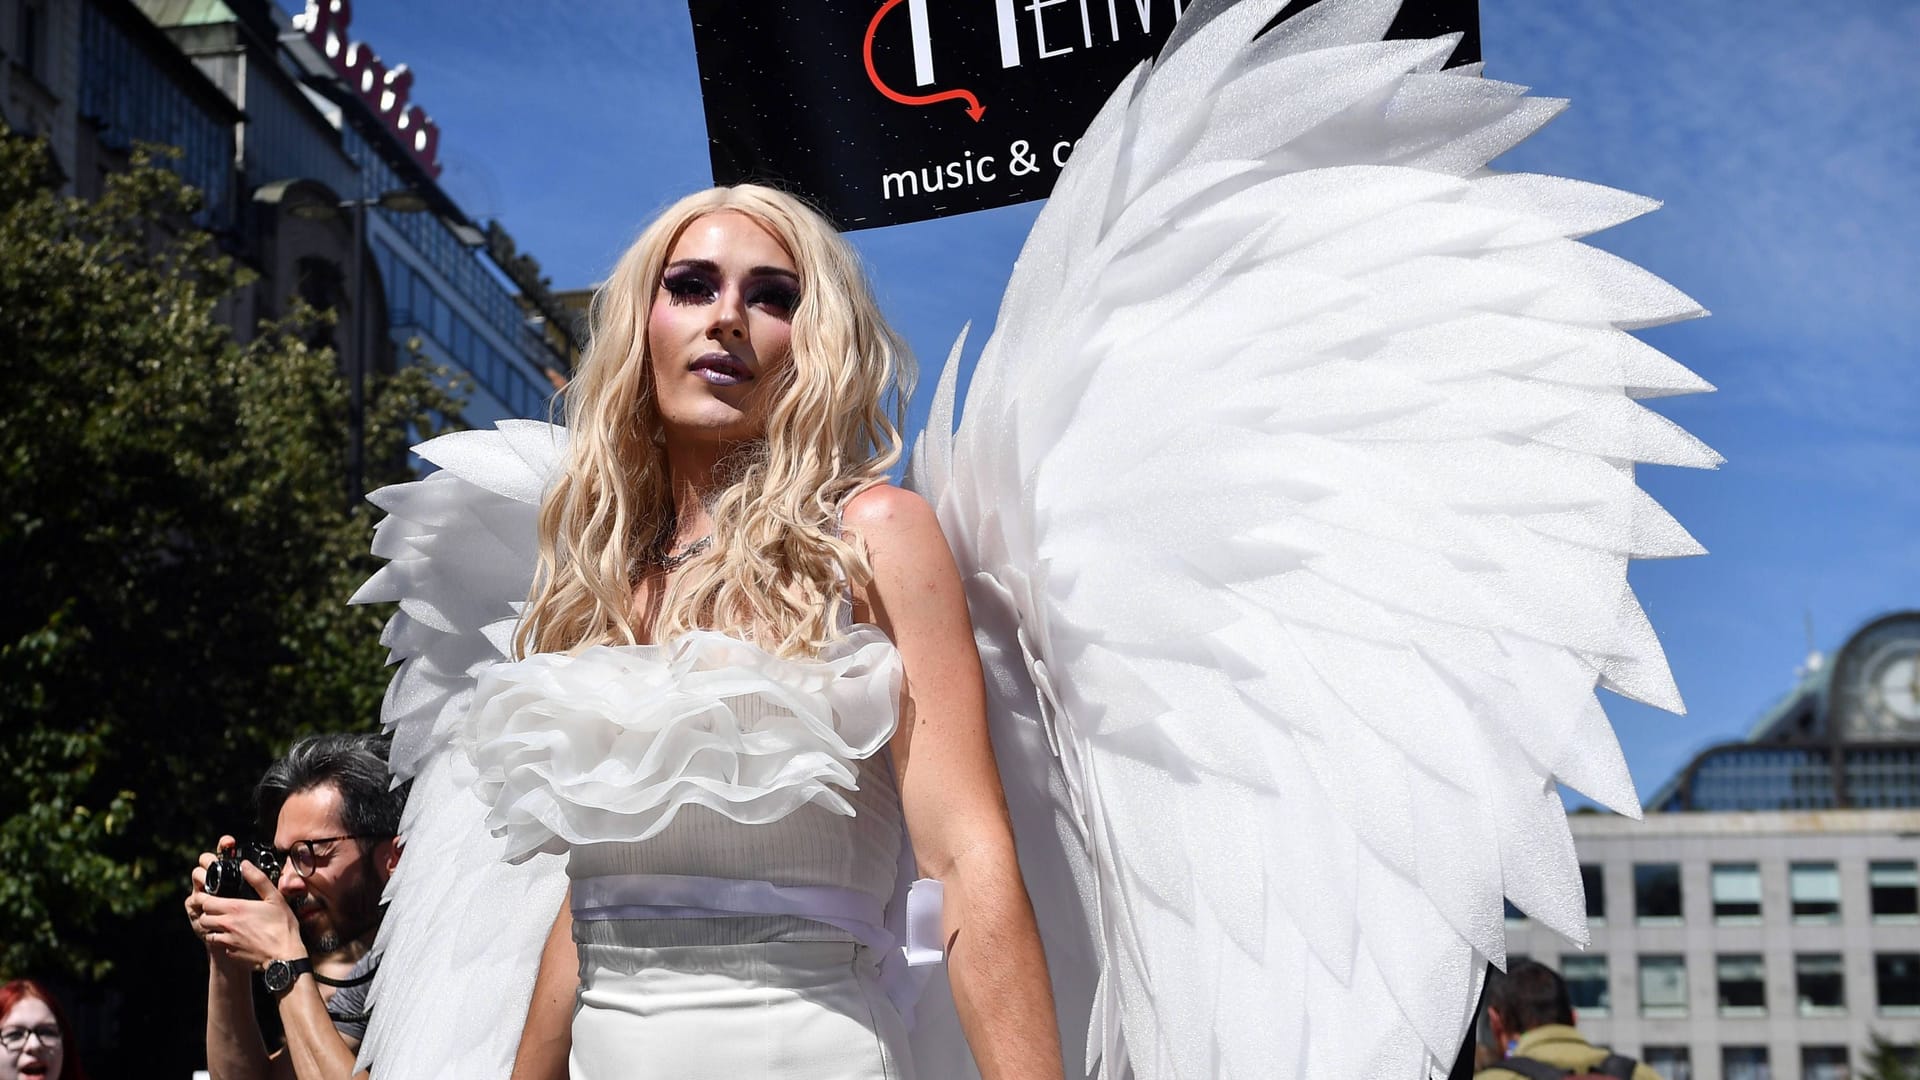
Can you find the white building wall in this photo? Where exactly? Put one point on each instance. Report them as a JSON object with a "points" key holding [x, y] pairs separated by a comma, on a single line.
{"points": [[1851, 839]]}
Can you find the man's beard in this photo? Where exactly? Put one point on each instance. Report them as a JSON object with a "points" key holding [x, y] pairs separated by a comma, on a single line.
{"points": [[354, 914], [325, 940]]}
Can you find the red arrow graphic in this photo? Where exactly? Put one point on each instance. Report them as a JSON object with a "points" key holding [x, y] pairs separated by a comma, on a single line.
{"points": [[974, 108]]}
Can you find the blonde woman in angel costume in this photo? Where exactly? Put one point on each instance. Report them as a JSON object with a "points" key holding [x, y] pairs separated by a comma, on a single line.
{"points": [[724, 519], [1292, 500]]}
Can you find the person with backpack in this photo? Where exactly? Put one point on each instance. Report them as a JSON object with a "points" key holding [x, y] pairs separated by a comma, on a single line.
{"points": [[1530, 1015]]}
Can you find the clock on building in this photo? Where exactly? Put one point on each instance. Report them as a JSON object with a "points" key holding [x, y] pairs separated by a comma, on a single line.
{"points": [[1876, 681]]}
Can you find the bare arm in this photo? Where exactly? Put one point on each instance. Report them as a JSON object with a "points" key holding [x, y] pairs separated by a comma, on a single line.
{"points": [[951, 790], [547, 1040], [315, 1048], [235, 1050], [249, 933]]}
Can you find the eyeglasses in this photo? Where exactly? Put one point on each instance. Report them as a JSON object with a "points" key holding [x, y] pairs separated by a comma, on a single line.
{"points": [[301, 855], [15, 1038]]}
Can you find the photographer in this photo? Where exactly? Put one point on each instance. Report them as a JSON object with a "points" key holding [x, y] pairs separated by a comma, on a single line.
{"points": [[335, 823]]}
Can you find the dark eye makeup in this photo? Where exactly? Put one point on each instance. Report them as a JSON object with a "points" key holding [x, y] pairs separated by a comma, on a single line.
{"points": [[690, 284], [776, 295], [687, 286]]}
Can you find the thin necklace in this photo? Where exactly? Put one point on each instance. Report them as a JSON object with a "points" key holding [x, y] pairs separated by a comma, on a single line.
{"points": [[673, 561]]}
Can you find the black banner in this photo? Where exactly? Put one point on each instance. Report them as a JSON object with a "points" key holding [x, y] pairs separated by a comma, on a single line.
{"points": [[889, 111]]}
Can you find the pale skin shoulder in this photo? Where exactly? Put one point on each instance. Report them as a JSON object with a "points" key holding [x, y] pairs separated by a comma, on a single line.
{"points": [[916, 597], [950, 787]]}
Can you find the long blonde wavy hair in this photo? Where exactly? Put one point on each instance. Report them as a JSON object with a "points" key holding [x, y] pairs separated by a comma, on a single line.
{"points": [[774, 572]]}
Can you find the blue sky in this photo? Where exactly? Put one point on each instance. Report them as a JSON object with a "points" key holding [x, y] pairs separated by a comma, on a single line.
{"points": [[1784, 138]]}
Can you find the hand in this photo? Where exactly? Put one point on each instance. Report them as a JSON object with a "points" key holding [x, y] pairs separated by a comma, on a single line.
{"points": [[244, 933], [197, 895]]}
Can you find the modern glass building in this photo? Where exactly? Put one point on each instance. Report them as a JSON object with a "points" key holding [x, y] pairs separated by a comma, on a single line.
{"points": [[317, 168], [134, 88]]}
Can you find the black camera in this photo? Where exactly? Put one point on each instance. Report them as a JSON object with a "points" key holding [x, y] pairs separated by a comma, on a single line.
{"points": [[224, 877]]}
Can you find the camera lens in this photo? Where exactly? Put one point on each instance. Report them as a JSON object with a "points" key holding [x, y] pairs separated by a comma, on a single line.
{"points": [[221, 875]]}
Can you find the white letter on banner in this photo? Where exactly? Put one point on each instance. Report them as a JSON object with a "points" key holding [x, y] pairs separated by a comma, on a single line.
{"points": [[922, 42], [1040, 31], [905, 183], [1009, 33]]}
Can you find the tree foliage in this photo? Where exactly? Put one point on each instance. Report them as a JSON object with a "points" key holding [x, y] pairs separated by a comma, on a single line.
{"points": [[1887, 1061], [176, 549]]}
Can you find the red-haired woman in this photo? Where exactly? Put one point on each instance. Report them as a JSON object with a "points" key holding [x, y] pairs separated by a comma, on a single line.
{"points": [[36, 1041]]}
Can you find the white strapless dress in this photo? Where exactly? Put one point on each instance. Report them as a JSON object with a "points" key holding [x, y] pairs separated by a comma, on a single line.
{"points": [[734, 842]]}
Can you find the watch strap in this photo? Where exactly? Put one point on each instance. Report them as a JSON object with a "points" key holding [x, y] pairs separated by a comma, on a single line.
{"points": [[291, 969]]}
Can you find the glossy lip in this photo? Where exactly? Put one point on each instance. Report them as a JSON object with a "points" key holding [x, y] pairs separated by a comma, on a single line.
{"points": [[721, 369]]}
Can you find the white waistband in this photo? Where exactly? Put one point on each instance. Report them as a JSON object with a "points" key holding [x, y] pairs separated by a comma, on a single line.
{"points": [[907, 937]]}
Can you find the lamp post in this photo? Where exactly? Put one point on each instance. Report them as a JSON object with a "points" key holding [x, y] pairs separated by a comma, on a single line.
{"points": [[399, 201]]}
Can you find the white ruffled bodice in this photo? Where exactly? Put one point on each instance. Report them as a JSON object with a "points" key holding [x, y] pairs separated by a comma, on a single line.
{"points": [[705, 756]]}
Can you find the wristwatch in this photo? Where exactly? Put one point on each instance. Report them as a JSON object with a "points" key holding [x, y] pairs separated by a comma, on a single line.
{"points": [[280, 974]]}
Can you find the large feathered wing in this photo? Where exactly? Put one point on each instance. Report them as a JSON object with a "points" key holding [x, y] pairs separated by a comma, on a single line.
{"points": [[1296, 487], [461, 941]]}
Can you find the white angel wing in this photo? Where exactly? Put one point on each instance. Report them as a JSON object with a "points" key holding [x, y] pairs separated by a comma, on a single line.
{"points": [[462, 936], [1299, 475]]}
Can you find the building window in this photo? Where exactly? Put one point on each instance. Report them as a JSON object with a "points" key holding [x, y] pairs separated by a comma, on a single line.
{"points": [[1656, 893], [1744, 1063], [1879, 1050], [1596, 890], [1671, 1062], [1743, 985], [1586, 978], [1736, 893], [1896, 980], [33, 38], [1820, 983], [1882, 777], [1663, 986], [1764, 778], [1823, 1063], [1815, 888], [462, 343], [1895, 891], [421, 305], [443, 321], [1512, 914], [399, 293]]}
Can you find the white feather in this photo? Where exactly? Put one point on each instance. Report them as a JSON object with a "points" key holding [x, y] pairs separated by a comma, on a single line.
{"points": [[461, 941]]}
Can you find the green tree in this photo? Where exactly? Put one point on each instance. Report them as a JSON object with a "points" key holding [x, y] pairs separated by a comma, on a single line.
{"points": [[175, 552], [1887, 1061]]}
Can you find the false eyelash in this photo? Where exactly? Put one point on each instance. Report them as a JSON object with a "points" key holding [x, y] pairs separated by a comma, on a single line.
{"points": [[687, 288], [778, 296]]}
